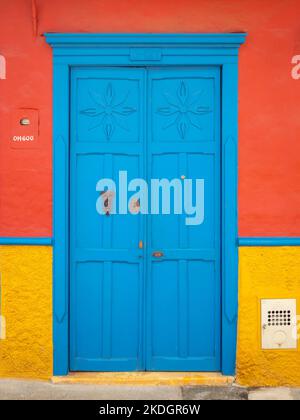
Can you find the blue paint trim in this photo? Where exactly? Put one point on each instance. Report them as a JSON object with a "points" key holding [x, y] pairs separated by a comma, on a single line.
{"points": [[138, 50], [161, 49], [242, 241], [229, 260], [269, 241], [61, 97], [207, 39], [25, 241]]}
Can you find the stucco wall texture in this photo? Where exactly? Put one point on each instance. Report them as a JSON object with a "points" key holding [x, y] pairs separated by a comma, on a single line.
{"points": [[26, 279], [27, 306], [266, 273], [269, 123], [269, 162]]}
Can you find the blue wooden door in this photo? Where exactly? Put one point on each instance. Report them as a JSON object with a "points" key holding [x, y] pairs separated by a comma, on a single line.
{"points": [[183, 285], [145, 289], [107, 286]]}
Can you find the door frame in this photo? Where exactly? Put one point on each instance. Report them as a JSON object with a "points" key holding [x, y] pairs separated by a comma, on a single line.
{"points": [[73, 50]]}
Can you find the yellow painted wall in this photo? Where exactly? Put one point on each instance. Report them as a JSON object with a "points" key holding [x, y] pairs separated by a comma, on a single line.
{"points": [[265, 272], [26, 277]]}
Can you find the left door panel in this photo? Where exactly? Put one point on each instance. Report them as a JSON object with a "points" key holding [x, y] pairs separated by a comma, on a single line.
{"points": [[106, 271]]}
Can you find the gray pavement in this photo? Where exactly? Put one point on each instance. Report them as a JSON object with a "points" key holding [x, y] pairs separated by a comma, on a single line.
{"points": [[39, 390]]}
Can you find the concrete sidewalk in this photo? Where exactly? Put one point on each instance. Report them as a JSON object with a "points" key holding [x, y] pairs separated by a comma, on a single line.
{"points": [[38, 390]]}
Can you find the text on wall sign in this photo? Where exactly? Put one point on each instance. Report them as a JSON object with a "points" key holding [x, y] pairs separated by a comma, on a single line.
{"points": [[25, 128]]}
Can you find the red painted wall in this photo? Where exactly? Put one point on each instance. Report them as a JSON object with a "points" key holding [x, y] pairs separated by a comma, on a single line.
{"points": [[269, 118]]}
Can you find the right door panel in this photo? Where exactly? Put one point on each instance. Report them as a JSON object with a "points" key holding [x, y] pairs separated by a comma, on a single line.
{"points": [[183, 282]]}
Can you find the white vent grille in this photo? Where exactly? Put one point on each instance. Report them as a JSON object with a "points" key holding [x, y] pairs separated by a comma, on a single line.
{"points": [[279, 323]]}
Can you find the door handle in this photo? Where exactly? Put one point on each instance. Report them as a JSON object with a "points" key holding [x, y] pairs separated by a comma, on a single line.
{"points": [[141, 246], [157, 254]]}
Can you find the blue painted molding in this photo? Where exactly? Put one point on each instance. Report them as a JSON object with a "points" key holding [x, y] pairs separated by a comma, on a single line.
{"points": [[72, 50], [88, 39], [144, 49], [242, 241], [269, 241], [25, 241]]}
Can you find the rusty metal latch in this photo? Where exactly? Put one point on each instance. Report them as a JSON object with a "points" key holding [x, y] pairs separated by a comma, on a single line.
{"points": [[158, 254]]}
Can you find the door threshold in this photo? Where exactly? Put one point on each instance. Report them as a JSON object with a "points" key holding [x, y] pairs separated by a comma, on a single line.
{"points": [[145, 378]]}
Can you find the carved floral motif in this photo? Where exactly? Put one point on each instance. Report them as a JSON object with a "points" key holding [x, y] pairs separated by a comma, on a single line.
{"points": [[183, 110], [109, 112]]}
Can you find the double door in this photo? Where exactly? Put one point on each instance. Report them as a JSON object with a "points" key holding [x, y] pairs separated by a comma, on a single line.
{"points": [[145, 285]]}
